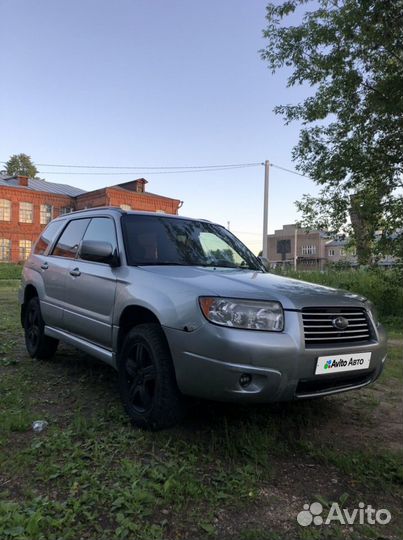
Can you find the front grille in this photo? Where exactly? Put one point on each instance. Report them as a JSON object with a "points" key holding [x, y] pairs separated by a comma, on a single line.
{"points": [[319, 327]]}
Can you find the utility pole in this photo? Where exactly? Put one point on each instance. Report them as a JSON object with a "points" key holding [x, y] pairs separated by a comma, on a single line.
{"points": [[228, 225], [295, 246], [265, 206]]}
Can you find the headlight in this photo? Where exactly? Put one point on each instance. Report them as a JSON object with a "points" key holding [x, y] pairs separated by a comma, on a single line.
{"points": [[250, 314]]}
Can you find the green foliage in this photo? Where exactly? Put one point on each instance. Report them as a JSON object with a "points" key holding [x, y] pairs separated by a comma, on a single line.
{"points": [[21, 164], [383, 287], [349, 52]]}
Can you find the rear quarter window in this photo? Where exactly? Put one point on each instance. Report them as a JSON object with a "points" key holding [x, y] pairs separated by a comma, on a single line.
{"points": [[48, 236]]}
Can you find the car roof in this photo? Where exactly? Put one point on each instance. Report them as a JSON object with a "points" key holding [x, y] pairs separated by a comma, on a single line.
{"points": [[113, 210]]}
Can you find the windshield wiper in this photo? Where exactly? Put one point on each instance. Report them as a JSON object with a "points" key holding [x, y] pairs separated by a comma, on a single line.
{"points": [[162, 263], [245, 266], [204, 265]]}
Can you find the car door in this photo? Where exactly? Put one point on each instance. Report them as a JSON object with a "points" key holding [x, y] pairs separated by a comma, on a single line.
{"points": [[91, 289], [53, 272]]}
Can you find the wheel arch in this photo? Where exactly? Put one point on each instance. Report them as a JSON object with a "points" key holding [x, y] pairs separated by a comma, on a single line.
{"points": [[30, 291], [131, 316]]}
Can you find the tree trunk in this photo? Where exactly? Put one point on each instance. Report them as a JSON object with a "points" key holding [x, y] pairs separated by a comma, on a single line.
{"points": [[363, 230]]}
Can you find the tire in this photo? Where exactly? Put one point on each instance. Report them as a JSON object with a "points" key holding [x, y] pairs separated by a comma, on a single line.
{"points": [[38, 345], [147, 382]]}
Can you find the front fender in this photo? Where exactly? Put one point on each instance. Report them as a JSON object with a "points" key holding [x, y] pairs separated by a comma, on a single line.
{"points": [[173, 303]]}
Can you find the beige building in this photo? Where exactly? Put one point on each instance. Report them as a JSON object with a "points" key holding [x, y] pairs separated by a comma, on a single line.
{"points": [[292, 245], [339, 251]]}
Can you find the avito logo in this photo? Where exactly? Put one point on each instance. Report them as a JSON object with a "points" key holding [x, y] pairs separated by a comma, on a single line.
{"points": [[364, 514], [343, 363], [335, 364]]}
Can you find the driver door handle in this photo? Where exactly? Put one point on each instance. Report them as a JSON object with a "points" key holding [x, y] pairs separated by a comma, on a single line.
{"points": [[75, 272]]}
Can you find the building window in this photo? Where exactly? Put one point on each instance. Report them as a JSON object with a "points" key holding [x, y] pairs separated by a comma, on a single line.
{"points": [[342, 252], [309, 250], [160, 212], [125, 207], [308, 262], [46, 213], [5, 210], [65, 210], [283, 246], [24, 249], [331, 252], [5, 249], [26, 212]]}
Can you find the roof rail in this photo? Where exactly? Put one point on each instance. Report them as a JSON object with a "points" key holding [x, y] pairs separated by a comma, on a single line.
{"points": [[97, 208]]}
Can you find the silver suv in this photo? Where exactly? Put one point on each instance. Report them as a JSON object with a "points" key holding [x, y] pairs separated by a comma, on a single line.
{"points": [[180, 307]]}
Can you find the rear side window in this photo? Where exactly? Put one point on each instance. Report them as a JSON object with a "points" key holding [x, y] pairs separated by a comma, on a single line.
{"points": [[67, 245], [101, 230], [47, 237]]}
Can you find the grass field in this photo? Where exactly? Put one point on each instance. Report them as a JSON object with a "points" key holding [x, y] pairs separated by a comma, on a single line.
{"points": [[10, 271], [227, 472]]}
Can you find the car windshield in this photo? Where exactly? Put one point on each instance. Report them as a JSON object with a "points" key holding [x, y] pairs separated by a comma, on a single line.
{"points": [[157, 240]]}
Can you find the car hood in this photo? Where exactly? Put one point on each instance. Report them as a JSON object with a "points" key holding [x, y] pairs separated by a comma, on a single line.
{"points": [[235, 283]]}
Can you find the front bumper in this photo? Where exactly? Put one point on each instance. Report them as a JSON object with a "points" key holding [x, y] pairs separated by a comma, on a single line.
{"points": [[210, 360]]}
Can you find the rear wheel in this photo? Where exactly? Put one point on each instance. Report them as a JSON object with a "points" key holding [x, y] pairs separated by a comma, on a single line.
{"points": [[38, 345], [147, 381]]}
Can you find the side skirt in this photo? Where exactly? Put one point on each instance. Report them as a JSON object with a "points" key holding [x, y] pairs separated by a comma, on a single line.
{"points": [[86, 346]]}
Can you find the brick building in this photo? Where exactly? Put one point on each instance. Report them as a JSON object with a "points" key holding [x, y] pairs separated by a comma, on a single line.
{"points": [[28, 204]]}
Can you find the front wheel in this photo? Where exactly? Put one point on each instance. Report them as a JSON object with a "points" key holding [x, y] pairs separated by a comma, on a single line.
{"points": [[147, 382], [37, 343]]}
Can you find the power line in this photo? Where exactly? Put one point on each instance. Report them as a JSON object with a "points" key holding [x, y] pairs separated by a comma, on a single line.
{"points": [[153, 172], [137, 167], [168, 169], [289, 171]]}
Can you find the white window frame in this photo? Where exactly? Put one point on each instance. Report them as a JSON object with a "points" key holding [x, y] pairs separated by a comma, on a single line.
{"points": [[26, 214], [46, 214], [308, 249], [5, 249], [125, 207], [331, 252], [24, 249], [5, 210]]}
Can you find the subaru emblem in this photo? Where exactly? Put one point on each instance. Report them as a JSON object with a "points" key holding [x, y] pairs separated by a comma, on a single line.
{"points": [[341, 323]]}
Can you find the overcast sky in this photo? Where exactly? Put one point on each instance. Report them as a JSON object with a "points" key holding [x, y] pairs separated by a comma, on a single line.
{"points": [[151, 83]]}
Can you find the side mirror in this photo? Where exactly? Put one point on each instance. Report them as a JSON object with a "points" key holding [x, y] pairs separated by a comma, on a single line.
{"points": [[92, 250], [265, 263]]}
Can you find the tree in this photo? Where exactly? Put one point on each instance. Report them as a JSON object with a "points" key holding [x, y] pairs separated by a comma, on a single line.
{"points": [[21, 164], [350, 52]]}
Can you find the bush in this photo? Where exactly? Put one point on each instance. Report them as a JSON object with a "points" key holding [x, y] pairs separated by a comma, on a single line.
{"points": [[383, 287], [10, 271]]}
